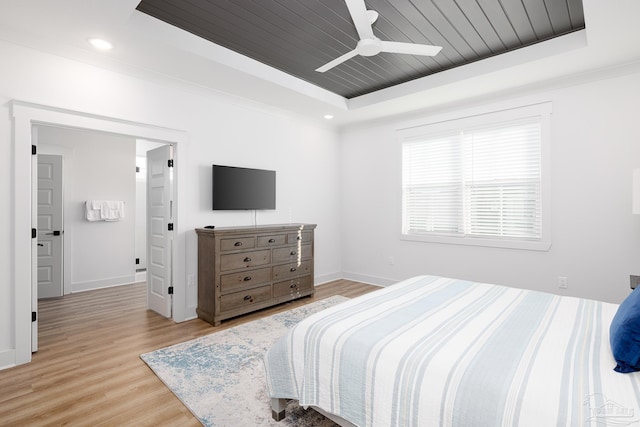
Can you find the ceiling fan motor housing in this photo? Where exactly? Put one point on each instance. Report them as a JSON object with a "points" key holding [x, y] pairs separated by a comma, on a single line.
{"points": [[369, 47]]}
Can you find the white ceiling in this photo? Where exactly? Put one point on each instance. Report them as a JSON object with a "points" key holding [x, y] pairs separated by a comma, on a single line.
{"points": [[152, 49]]}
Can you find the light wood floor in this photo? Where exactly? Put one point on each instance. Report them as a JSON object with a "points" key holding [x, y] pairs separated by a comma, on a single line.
{"points": [[87, 371]]}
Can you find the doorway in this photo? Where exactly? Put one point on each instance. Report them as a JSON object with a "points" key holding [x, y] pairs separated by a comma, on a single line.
{"points": [[24, 200], [99, 167], [100, 252], [88, 163]]}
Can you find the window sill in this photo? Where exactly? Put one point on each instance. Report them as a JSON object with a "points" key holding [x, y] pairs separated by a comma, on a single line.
{"points": [[539, 245]]}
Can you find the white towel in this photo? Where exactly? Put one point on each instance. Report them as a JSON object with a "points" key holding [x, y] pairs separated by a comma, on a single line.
{"points": [[104, 210], [90, 213], [112, 210]]}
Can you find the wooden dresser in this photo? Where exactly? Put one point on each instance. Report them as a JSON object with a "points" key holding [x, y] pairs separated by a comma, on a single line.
{"points": [[242, 269]]}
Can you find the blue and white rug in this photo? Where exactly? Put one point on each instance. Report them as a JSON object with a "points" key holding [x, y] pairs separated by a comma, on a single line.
{"points": [[220, 377]]}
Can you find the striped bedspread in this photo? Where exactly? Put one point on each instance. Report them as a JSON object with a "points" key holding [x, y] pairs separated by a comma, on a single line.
{"points": [[432, 351]]}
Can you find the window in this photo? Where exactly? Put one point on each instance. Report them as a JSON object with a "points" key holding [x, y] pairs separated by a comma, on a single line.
{"points": [[478, 180]]}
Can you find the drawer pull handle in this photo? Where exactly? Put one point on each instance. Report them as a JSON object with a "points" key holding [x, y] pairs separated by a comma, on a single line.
{"points": [[247, 259], [247, 298], [237, 244], [293, 253], [272, 240], [295, 285], [247, 278], [292, 269]]}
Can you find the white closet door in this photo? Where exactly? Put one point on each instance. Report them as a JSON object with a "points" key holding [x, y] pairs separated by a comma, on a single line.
{"points": [[160, 230]]}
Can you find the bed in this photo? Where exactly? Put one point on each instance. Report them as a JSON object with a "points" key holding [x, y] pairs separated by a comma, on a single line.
{"points": [[434, 351]]}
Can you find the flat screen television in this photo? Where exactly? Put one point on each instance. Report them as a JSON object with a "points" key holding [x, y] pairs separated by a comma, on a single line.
{"points": [[237, 188]]}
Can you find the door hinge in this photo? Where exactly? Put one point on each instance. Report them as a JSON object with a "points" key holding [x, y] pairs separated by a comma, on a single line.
{"points": [[34, 316], [170, 226], [34, 233], [170, 163], [34, 150], [170, 290]]}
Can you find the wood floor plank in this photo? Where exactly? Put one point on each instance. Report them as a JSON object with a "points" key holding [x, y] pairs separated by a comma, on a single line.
{"points": [[88, 370]]}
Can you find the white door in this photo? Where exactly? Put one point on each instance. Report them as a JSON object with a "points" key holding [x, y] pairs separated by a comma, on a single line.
{"points": [[50, 233], [159, 230]]}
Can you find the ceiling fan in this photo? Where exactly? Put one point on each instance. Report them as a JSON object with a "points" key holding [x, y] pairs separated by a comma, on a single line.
{"points": [[370, 45]]}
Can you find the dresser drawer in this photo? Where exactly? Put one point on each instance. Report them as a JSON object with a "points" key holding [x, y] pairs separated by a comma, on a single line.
{"points": [[292, 253], [234, 244], [301, 236], [245, 298], [244, 279], [245, 260], [275, 240], [293, 286], [286, 271]]}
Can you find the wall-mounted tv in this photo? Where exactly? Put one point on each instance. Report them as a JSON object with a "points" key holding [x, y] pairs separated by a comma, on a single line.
{"points": [[237, 188]]}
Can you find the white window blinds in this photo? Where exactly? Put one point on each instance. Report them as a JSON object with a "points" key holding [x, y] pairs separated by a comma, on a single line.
{"points": [[477, 182]]}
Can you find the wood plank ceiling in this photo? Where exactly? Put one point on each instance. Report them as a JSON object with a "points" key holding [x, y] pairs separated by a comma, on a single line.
{"points": [[298, 36]]}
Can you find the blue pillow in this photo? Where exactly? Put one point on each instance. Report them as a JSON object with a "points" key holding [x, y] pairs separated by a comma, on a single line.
{"points": [[624, 334]]}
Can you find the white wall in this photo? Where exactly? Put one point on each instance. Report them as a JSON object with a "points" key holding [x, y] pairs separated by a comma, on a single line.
{"points": [[102, 167], [220, 129], [595, 238]]}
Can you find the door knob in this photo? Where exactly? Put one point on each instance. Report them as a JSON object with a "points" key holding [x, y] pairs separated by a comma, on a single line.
{"points": [[54, 233]]}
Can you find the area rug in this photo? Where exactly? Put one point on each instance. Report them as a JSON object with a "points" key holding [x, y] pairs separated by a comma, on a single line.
{"points": [[221, 378]]}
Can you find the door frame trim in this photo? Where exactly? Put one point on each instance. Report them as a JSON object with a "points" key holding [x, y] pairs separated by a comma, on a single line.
{"points": [[24, 201]]}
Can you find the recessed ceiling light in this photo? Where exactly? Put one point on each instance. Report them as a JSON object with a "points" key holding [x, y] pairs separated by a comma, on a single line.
{"points": [[100, 44], [328, 116]]}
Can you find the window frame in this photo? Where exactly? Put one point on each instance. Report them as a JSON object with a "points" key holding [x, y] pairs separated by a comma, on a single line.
{"points": [[481, 118]]}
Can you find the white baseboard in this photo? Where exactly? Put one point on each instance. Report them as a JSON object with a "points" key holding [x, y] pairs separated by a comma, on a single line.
{"points": [[326, 278], [7, 359], [141, 276], [190, 316], [371, 280], [103, 283]]}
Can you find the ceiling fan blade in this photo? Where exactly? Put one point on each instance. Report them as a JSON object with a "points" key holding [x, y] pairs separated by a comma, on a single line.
{"points": [[410, 48], [358, 12], [339, 60]]}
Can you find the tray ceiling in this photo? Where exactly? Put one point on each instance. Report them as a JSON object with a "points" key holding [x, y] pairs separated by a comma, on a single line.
{"points": [[299, 36]]}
